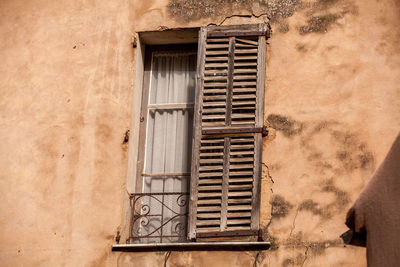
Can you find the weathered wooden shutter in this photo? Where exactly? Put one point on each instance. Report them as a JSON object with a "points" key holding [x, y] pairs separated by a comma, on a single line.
{"points": [[228, 125]]}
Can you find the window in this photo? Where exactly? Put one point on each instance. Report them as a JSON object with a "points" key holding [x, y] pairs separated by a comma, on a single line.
{"points": [[199, 159]]}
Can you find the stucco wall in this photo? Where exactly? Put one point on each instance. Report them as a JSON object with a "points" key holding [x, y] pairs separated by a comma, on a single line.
{"points": [[66, 81]]}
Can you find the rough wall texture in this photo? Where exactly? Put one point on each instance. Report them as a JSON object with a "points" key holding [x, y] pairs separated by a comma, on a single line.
{"points": [[332, 103]]}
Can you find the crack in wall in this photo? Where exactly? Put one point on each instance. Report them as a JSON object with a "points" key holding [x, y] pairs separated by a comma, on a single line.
{"points": [[166, 258], [252, 15], [305, 256], [256, 259], [268, 173], [294, 222]]}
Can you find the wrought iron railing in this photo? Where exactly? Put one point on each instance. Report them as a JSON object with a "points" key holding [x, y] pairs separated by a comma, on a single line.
{"points": [[158, 217]]}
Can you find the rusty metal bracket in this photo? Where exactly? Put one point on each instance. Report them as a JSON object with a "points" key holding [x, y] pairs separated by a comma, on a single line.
{"points": [[264, 131]]}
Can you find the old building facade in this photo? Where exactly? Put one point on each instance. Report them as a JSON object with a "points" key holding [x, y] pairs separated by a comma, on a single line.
{"points": [[71, 88]]}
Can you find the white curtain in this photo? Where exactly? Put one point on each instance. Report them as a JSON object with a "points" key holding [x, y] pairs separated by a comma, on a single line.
{"points": [[169, 134]]}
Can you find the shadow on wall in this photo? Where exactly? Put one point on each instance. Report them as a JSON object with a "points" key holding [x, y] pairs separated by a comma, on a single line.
{"points": [[347, 154]]}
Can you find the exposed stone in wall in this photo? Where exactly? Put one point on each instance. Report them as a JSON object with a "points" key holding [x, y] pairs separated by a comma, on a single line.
{"points": [[320, 14]]}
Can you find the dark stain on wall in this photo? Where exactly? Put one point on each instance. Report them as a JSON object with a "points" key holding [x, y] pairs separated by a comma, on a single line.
{"points": [[288, 262], [188, 10], [277, 11], [301, 47], [280, 207], [299, 260], [342, 197], [320, 5], [285, 125], [353, 154], [319, 24], [317, 247], [281, 9], [283, 27], [313, 207]]}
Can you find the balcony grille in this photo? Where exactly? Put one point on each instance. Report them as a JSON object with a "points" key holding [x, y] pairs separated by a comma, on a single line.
{"points": [[158, 217]]}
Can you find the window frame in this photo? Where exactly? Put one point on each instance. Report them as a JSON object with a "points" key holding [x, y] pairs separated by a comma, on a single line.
{"points": [[149, 49], [145, 99], [143, 125]]}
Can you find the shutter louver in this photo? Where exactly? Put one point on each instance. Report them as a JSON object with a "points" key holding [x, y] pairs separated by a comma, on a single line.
{"points": [[226, 162]]}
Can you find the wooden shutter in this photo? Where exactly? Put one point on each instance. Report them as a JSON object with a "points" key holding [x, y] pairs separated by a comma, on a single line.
{"points": [[228, 125]]}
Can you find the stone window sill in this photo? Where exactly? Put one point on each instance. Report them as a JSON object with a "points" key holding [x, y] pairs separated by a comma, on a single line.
{"points": [[194, 246]]}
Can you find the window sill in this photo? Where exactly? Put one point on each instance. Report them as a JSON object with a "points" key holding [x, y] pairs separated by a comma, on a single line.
{"points": [[194, 246]]}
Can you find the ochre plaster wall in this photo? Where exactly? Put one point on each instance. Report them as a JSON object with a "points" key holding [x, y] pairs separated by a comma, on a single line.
{"points": [[66, 80]]}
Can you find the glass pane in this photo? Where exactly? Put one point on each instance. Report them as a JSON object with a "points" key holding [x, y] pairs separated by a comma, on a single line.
{"points": [[169, 141], [172, 78], [168, 149]]}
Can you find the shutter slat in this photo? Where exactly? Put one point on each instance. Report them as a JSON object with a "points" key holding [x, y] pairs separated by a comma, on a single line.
{"points": [[207, 222], [209, 195], [246, 70], [244, 90], [219, 52], [239, 207], [214, 110], [210, 181], [208, 168], [240, 40], [239, 45], [209, 202], [242, 159], [239, 187], [211, 160], [246, 51], [208, 215], [245, 84], [245, 64], [214, 187], [210, 174], [214, 59], [239, 221], [216, 209], [250, 58], [220, 79], [247, 178], [239, 201], [239, 214], [220, 65], [244, 77], [216, 46], [217, 40]]}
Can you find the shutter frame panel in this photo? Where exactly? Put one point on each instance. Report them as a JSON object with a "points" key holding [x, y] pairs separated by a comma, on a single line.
{"points": [[227, 140]]}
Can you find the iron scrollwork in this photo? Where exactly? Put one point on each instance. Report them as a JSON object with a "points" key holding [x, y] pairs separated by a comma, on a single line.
{"points": [[158, 217]]}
